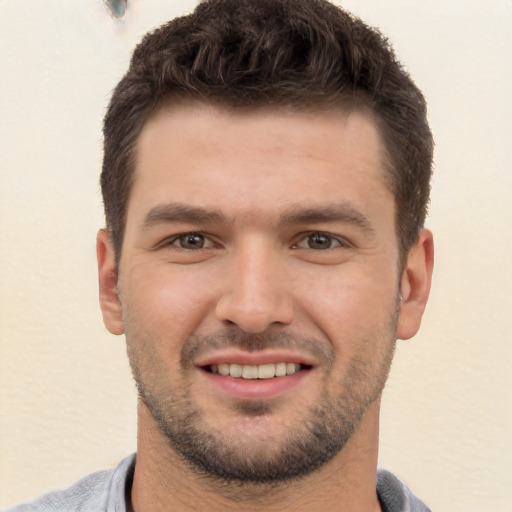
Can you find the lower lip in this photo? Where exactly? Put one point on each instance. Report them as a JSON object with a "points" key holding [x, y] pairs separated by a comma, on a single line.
{"points": [[255, 388]]}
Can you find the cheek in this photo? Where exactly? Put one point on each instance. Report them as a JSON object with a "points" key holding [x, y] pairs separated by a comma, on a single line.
{"points": [[347, 303], [167, 300]]}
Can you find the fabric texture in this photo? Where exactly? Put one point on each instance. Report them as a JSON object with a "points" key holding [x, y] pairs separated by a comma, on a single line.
{"points": [[106, 491]]}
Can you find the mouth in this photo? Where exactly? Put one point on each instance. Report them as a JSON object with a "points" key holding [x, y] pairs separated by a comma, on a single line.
{"points": [[246, 377], [256, 371]]}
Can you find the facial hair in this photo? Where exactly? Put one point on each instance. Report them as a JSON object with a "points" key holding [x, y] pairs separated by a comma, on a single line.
{"points": [[317, 435]]}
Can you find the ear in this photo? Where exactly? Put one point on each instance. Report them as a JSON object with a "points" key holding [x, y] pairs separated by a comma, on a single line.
{"points": [[107, 274], [415, 285]]}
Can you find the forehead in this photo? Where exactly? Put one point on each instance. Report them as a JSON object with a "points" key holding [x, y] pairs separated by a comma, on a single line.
{"points": [[248, 161]]}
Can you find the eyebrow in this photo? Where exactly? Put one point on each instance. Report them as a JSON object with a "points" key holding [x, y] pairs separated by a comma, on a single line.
{"points": [[181, 213], [343, 212]]}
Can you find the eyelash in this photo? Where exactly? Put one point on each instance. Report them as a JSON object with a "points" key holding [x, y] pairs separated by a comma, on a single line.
{"points": [[182, 236], [340, 242]]}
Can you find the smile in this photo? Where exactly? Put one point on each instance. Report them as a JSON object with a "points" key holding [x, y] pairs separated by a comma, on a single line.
{"points": [[252, 371]]}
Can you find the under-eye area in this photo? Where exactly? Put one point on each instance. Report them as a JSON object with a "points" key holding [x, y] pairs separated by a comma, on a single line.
{"points": [[256, 371]]}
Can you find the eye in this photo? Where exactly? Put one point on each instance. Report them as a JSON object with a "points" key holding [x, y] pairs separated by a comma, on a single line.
{"points": [[319, 241], [190, 241]]}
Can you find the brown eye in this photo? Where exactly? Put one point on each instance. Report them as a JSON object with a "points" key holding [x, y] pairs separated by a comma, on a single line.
{"points": [[320, 241], [191, 241]]}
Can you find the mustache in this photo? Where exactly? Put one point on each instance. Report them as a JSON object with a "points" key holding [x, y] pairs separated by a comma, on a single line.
{"points": [[234, 337]]}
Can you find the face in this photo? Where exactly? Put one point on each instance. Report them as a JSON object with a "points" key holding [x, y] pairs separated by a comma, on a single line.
{"points": [[258, 285]]}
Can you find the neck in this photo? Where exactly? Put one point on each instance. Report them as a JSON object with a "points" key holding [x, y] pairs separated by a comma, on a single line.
{"points": [[164, 481]]}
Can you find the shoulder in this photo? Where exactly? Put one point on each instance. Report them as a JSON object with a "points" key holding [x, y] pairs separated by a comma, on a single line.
{"points": [[99, 492], [395, 496]]}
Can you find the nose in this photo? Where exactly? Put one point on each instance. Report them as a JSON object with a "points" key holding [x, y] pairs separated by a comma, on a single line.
{"points": [[257, 293]]}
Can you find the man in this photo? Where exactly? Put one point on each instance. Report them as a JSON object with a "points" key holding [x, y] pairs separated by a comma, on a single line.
{"points": [[265, 181]]}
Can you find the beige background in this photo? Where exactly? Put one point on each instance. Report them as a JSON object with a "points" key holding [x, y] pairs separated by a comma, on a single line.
{"points": [[67, 403]]}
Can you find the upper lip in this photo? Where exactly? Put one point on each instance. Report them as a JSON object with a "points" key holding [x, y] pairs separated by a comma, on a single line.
{"points": [[234, 356]]}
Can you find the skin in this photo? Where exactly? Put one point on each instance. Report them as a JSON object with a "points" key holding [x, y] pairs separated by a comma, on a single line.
{"points": [[265, 271]]}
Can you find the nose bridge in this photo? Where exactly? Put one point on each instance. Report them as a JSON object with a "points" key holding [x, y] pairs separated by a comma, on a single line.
{"points": [[256, 293]]}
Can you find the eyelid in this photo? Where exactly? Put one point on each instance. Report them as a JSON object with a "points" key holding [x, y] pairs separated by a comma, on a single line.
{"points": [[170, 240], [210, 241], [342, 241]]}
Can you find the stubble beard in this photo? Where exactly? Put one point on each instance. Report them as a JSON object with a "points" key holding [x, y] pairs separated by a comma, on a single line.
{"points": [[317, 436]]}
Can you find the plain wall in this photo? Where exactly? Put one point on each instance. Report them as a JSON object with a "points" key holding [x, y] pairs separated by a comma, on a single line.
{"points": [[67, 402]]}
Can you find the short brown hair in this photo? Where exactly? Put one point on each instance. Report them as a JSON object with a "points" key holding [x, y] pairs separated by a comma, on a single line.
{"points": [[297, 54]]}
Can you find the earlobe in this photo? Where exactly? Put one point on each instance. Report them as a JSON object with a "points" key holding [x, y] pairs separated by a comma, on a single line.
{"points": [[107, 275], [415, 285]]}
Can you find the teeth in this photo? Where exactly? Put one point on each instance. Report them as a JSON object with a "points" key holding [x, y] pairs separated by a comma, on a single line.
{"points": [[235, 370], [251, 371], [223, 369], [266, 371], [280, 369]]}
